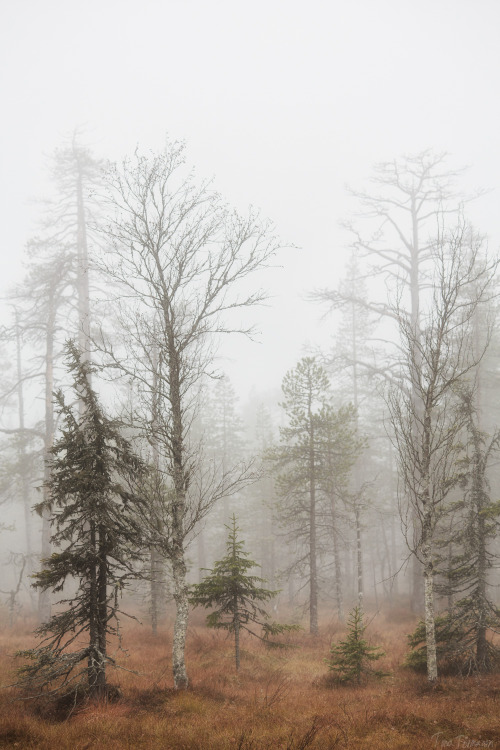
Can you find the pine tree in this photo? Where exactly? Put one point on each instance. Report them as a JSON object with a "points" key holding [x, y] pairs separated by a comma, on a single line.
{"points": [[95, 530], [234, 595], [318, 448], [349, 659]]}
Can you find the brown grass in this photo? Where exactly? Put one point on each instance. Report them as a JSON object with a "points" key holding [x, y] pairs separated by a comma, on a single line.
{"points": [[279, 700]]}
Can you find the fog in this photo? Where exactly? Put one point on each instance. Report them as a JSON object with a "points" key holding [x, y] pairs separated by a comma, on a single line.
{"points": [[286, 112], [282, 104]]}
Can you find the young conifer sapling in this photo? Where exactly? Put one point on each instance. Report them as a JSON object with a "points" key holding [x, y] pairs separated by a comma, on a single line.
{"points": [[235, 596], [350, 659]]}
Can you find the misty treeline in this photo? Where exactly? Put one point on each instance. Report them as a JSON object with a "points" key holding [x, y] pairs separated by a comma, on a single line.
{"points": [[370, 481]]}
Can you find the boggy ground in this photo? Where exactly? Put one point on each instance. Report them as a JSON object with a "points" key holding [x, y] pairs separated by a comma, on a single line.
{"points": [[279, 700]]}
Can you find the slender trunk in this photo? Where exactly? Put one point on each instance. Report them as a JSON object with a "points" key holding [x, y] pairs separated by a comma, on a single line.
{"points": [[23, 461], [348, 562], [225, 499], [236, 621], [417, 593], [202, 555], [155, 558], [313, 574], [480, 542], [22, 454], [155, 572], [93, 659], [374, 571], [479, 502], [338, 569], [44, 602], [338, 580], [181, 619], [82, 272], [358, 480], [383, 555], [450, 596], [416, 585], [179, 567], [272, 559], [359, 557], [291, 589], [430, 634], [482, 619], [102, 621], [394, 509]]}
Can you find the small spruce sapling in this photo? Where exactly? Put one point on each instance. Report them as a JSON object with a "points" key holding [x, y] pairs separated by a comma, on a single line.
{"points": [[349, 659], [233, 595]]}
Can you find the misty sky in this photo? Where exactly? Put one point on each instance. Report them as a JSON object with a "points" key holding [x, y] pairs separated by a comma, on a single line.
{"points": [[283, 102]]}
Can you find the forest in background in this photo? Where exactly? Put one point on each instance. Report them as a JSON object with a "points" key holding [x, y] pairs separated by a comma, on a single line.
{"points": [[371, 480]]}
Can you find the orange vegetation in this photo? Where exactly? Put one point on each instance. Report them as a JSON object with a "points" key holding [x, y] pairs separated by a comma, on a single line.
{"points": [[279, 700]]}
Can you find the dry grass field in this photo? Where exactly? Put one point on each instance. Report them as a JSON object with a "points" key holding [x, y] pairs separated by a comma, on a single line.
{"points": [[279, 700]]}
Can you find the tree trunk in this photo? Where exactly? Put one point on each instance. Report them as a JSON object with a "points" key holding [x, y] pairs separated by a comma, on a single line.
{"points": [[375, 591], [482, 619], [82, 271], [359, 558], [338, 570], [480, 542], [236, 635], [23, 460], [22, 457], [430, 634], [181, 482], [202, 555], [417, 594], [394, 510], [93, 659], [181, 619], [313, 574], [44, 603], [102, 621], [155, 588]]}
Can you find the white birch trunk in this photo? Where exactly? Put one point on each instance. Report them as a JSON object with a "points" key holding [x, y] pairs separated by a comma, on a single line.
{"points": [[430, 633]]}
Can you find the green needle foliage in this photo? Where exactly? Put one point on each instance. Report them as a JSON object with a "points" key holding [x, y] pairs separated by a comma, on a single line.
{"points": [[96, 531], [234, 596], [349, 660], [449, 639]]}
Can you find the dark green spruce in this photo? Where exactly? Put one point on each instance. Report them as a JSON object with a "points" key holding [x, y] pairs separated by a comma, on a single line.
{"points": [[235, 596], [95, 533], [350, 659]]}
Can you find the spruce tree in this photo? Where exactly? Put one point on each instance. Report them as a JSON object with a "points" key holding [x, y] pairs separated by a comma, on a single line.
{"points": [[234, 596], [349, 659], [95, 533], [466, 560]]}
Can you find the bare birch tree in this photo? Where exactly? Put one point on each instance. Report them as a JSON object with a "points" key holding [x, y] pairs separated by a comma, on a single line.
{"points": [[180, 256], [426, 418], [394, 233]]}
